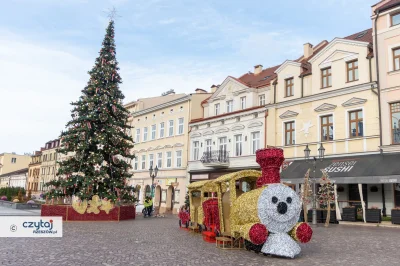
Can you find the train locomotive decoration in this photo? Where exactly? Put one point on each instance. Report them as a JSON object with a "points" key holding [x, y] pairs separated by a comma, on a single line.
{"points": [[251, 208]]}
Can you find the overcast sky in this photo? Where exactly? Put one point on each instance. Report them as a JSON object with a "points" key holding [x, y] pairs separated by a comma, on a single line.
{"points": [[47, 47]]}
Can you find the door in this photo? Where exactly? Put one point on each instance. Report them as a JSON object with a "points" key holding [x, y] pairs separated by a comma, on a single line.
{"points": [[222, 149]]}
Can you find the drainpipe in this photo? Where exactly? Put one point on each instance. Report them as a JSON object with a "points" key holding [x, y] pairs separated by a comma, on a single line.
{"points": [[377, 80], [379, 104], [370, 76], [274, 92], [265, 134], [302, 88]]}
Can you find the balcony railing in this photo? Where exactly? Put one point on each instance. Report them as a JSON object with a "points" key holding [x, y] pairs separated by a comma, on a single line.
{"points": [[215, 158]]}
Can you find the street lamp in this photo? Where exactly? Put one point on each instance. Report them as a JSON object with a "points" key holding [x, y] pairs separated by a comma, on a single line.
{"points": [[153, 174], [321, 153]]}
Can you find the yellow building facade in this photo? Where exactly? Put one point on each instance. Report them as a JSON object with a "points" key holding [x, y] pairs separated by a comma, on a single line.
{"points": [[160, 130], [48, 167], [10, 162], [34, 173]]}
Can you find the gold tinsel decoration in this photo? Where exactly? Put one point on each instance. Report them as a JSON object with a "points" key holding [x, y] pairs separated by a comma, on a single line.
{"points": [[106, 206], [78, 206], [94, 205]]}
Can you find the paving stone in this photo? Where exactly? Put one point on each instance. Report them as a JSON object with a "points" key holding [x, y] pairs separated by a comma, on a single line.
{"points": [[159, 241]]}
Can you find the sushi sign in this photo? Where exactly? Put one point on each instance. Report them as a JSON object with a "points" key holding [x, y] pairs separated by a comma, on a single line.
{"points": [[341, 166]]}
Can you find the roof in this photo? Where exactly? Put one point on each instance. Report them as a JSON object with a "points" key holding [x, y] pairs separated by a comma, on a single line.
{"points": [[20, 171], [260, 80], [362, 36], [238, 175], [388, 5], [197, 184], [226, 114]]}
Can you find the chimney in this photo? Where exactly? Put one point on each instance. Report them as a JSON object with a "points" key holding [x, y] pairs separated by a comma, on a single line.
{"points": [[308, 50], [214, 88], [257, 69]]}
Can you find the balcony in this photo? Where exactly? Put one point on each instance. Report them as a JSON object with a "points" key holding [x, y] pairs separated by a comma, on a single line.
{"points": [[219, 158]]}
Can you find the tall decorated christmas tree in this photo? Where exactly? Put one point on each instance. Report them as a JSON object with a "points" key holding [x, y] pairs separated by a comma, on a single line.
{"points": [[97, 141]]}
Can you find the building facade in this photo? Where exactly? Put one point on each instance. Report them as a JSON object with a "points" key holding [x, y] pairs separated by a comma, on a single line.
{"points": [[10, 162], [161, 139], [48, 167], [386, 37], [14, 179], [232, 128], [34, 173]]}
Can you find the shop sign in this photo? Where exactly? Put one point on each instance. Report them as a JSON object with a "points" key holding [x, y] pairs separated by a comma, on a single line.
{"points": [[200, 177], [340, 166], [169, 181], [393, 180]]}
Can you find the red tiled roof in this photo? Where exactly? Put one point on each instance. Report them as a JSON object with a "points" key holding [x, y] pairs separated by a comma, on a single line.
{"points": [[222, 115], [362, 36], [389, 5], [205, 100], [260, 80]]}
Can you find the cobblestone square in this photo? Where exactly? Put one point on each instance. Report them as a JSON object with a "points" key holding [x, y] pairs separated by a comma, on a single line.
{"points": [[159, 241]]}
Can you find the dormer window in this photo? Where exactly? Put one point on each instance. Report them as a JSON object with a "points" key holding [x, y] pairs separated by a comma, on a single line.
{"points": [[229, 106], [326, 77], [216, 109], [395, 19], [288, 87], [243, 103]]}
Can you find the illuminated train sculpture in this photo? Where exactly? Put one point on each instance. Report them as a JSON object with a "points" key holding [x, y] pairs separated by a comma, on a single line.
{"points": [[265, 217]]}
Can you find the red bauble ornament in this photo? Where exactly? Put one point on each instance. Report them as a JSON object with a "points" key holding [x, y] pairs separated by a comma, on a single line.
{"points": [[304, 233], [258, 234]]}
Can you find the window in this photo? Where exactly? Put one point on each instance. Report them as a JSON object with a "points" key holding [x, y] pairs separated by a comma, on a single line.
{"points": [[180, 126], [396, 58], [356, 123], [138, 135], [50, 156], [143, 162], [255, 142], [43, 171], [52, 170], [136, 163], [171, 128], [169, 159], [395, 114], [326, 77], [195, 150], [153, 132], [261, 100], [161, 130], [145, 134], [13, 160], [238, 145], [151, 160], [216, 108], [289, 133], [242, 103], [229, 106], [289, 87], [222, 144], [159, 159], [178, 158], [395, 19], [326, 127], [352, 71], [208, 145]]}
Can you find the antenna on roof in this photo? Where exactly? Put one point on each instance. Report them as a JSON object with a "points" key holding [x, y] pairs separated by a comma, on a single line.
{"points": [[171, 91]]}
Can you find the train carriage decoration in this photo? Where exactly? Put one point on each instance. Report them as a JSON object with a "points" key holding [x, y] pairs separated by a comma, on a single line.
{"points": [[266, 216]]}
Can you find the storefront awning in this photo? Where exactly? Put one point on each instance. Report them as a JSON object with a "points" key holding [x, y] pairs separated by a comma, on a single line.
{"points": [[363, 169]]}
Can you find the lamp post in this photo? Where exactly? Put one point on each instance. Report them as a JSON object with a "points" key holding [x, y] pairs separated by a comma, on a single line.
{"points": [[321, 152], [153, 174]]}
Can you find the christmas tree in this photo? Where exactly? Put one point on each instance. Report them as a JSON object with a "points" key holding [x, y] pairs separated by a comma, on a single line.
{"points": [[97, 141], [326, 194]]}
